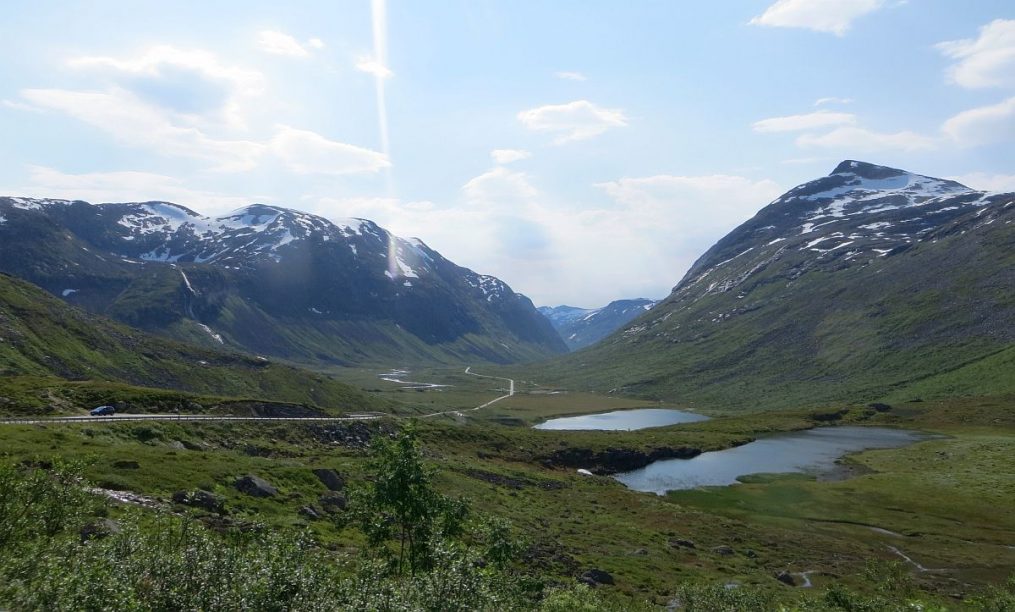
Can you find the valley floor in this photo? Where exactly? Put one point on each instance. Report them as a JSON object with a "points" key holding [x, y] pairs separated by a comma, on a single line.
{"points": [[940, 508]]}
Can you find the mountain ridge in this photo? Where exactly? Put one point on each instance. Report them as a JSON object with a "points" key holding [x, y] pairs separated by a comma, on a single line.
{"points": [[270, 280], [857, 285], [581, 327]]}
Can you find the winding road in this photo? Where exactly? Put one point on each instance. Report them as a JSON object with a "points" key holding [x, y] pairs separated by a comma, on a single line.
{"points": [[364, 416]]}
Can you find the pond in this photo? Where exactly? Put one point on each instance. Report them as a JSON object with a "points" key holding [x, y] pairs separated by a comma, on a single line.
{"points": [[811, 451], [624, 420]]}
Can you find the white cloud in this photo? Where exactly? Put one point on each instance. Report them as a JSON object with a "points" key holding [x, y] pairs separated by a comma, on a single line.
{"points": [[501, 187], [134, 123], [863, 140], [370, 65], [193, 84], [999, 183], [795, 123], [506, 156], [570, 76], [832, 100], [986, 61], [306, 152], [280, 43], [983, 125], [126, 186], [578, 120], [834, 16]]}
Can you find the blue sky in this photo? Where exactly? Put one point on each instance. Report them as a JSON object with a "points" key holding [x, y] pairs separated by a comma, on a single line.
{"points": [[581, 151]]}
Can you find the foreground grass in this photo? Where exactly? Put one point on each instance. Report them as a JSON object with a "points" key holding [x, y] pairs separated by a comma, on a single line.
{"points": [[940, 496]]}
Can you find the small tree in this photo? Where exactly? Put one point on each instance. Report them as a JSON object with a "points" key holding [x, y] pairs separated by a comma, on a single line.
{"points": [[400, 505]]}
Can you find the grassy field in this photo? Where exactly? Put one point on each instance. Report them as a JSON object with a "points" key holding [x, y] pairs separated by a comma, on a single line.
{"points": [[939, 502]]}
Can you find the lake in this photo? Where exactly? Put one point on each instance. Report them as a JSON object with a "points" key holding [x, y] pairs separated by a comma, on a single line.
{"points": [[624, 420], [811, 451]]}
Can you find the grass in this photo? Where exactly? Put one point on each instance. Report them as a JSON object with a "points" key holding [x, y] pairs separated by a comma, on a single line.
{"points": [[575, 522]]}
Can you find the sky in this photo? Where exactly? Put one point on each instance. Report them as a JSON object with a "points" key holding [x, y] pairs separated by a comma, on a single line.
{"points": [[582, 151]]}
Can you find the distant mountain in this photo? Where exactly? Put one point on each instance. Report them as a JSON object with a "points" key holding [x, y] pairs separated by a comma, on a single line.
{"points": [[45, 342], [870, 282], [270, 281], [581, 327]]}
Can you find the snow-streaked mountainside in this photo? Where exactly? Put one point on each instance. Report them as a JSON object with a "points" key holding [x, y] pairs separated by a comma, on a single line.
{"points": [[581, 327], [868, 280], [269, 280]]}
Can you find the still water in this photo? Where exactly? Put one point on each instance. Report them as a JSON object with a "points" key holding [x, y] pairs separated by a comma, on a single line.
{"points": [[627, 420], [813, 450]]}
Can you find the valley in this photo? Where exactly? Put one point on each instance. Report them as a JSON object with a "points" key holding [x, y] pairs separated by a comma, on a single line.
{"points": [[822, 428]]}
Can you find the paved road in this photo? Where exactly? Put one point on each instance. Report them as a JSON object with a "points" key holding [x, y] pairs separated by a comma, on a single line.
{"points": [[365, 416], [468, 370]]}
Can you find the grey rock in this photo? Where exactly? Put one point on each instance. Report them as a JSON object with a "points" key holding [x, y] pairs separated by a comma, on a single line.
{"points": [[681, 543], [310, 513], [330, 478], [595, 577], [333, 502], [255, 486], [723, 550], [785, 578]]}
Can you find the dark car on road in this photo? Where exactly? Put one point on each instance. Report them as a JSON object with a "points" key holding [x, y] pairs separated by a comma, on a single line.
{"points": [[102, 411]]}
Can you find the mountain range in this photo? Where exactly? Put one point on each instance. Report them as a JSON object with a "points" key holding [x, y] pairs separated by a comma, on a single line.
{"points": [[871, 282], [581, 327], [270, 281]]}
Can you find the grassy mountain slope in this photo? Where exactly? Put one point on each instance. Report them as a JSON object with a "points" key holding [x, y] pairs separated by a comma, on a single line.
{"points": [[768, 320], [49, 342]]}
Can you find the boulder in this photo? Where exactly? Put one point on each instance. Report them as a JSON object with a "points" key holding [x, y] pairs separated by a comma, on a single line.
{"points": [[723, 550], [309, 512], [785, 578], [206, 500], [681, 543], [330, 478], [595, 577], [255, 486], [333, 502]]}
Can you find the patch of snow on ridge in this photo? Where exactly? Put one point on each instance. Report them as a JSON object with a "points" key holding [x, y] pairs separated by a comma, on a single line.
{"points": [[68, 292], [3, 219]]}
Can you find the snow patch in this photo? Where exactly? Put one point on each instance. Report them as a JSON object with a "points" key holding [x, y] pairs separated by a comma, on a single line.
{"points": [[68, 292]]}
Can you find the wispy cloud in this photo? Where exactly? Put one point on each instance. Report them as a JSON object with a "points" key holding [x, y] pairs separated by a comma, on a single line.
{"points": [[306, 152], [506, 156], [985, 61], [280, 43], [578, 120], [983, 125], [808, 121], [832, 100], [570, 76], [866, 141], [127, 186], [833, 16]]}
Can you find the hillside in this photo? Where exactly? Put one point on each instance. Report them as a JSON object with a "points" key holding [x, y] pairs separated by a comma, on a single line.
{"points": [[44, 343], [581, 327], [270, 281], [869, 283]]}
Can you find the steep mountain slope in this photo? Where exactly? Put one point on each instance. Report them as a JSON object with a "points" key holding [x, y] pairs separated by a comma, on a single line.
{"points": [[44, 338], [581, 327], [871, 282], [270, 281]]}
